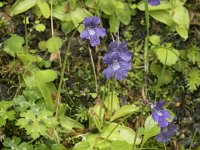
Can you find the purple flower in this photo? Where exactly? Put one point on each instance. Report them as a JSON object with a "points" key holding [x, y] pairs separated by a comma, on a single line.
{"points": [[159, 114], [92, 31], [154, 2], [118, 60], [166, 133]]}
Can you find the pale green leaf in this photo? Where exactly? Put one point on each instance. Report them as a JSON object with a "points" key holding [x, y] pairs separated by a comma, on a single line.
{"points": [[150, 129], [14, 45], [181, 16], [114, 23], [154, 39], [123, 12], [44, 8], [157, 70], [167, 55], [123, 111], [78, 16], [45, 75], [182, 31], [121, 145], [54, 44], [162, 16], [82, 146], [121, 133], [69, 123], [40, 27], [21, 6], [107, 6]]}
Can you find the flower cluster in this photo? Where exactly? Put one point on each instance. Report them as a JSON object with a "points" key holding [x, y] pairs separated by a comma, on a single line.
{"points": [[92, 30], [154, 2], [166, 133], [159, 114], [168, 129], [118, 60]]}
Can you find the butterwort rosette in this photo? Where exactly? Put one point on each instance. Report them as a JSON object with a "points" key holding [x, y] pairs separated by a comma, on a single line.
{"points": [[159, 114], [118, 60], [166, 133], [154, 2], [92, 30]]}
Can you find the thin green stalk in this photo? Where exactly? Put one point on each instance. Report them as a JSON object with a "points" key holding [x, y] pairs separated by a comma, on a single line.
{"points": [[146, 47], [137, 129], [102, 100], [111, 104], [164, 146], [63, 71], [52, 29], [26, 35], [161, 76], [94, 72], [193, 139]]}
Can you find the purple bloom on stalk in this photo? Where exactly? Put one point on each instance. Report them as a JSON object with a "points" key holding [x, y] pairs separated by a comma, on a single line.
{"points": [[92, 31], [166, 133], [154, 2], [118, 60], [159, 114]]}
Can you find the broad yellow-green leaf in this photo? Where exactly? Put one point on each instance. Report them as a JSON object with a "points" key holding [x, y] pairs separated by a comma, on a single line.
{"points": [[123, 12], [162, 16], [181, 16], [182, 31], [167, 55], [121, 145], [150, 129], [40, 27], [82, 146], [78, 16], [45, 75], [59, 12], [54, 44], [121, 133], [124, 110], [114, 23], [164, 5], [14, 45], [44, 8], [154, 39], [69, 123], [21, 6], [107, 6]]}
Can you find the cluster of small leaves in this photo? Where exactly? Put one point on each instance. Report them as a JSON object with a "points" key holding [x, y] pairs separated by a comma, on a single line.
{"points": [[6, 112], [37, 123]]}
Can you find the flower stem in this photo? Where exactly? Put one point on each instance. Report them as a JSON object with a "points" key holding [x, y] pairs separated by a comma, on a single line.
{"points": [[26, 34], [193, 139], [164, 146], [146, 48], [161, 76], [94, 72], [63, 70]]}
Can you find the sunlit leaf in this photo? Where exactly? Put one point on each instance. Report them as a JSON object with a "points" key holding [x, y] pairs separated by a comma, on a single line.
{"points": [[14, 45], [121, 145], [21, 6], [167, 55], [54, 44], [121, 133], [44, 8], [150, 129], [124, 110]]}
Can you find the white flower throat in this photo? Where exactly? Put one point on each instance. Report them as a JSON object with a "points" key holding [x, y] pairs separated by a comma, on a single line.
{"points": [[91, 31], [115, 65]]}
